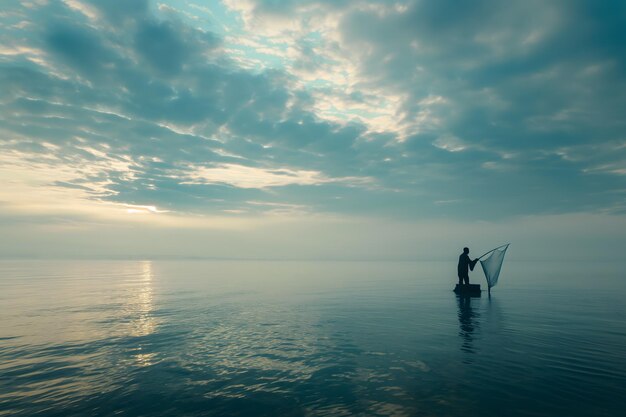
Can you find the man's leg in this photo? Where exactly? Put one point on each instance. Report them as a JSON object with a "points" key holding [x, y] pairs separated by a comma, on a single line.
{"points": [[466, 279]]}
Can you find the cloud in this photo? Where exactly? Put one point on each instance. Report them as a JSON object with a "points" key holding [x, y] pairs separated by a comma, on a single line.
{"points": [[385, 109], [509, 85], [450, 143], [251, 177], [124, 97]]}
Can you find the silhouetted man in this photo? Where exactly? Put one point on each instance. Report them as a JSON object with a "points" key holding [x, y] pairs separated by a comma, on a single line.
{"points": [[465, 265]]}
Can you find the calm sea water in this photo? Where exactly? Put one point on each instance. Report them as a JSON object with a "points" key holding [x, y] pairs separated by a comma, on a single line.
{"points": [[142, 338]]}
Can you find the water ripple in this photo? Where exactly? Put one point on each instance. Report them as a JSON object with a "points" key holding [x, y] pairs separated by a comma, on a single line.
{"points": [[212, 339]]}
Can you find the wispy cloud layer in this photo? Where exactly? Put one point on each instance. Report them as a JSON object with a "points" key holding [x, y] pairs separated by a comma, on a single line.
{"points": [[400, 109], [242, 176]]}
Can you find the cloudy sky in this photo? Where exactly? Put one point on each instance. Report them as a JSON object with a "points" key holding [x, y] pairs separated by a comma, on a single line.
{"points": [[312, 129]]}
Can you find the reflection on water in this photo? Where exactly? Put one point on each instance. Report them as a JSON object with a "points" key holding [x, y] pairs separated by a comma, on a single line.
{"points": [[139, 309], [263, 338], [140, 303], [469, 321]]}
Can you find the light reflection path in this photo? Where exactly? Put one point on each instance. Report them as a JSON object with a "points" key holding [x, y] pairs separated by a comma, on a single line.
{"points": [[141, 306]]}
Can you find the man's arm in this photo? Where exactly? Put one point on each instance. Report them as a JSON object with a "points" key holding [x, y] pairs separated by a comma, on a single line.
{"points": [[472, 263]]}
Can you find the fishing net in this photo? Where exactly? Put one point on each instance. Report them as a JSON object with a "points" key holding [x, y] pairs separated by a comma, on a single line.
{"points": [[493, 264]]}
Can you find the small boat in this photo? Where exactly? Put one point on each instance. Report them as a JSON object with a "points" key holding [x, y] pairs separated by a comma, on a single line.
{"points": [[468, 289]]}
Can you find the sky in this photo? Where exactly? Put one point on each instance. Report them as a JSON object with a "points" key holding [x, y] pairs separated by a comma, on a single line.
{"points": [[309, 129]]}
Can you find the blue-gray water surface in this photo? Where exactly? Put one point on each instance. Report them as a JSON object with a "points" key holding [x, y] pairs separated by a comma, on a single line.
{"points": [[213, 338]]}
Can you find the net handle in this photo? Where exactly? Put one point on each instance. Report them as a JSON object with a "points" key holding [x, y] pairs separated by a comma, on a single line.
{"points": [[487, 253]]}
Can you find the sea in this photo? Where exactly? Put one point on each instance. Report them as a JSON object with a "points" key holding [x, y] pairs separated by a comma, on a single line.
{"points": [[291, 338]]}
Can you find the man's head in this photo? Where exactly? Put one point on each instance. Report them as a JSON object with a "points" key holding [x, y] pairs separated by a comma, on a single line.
{"points": [[466, 250]]}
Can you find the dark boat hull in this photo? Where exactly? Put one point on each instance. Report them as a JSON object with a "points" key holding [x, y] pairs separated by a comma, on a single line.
{"points": [[468, 289]]}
